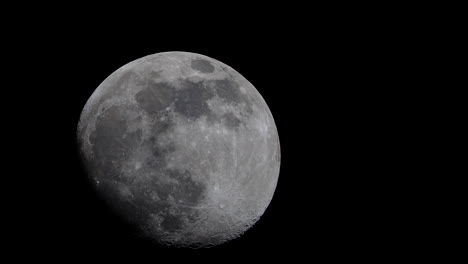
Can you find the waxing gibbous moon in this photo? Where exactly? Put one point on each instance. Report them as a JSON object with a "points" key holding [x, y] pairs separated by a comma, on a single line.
{"points": [[182, 147]]}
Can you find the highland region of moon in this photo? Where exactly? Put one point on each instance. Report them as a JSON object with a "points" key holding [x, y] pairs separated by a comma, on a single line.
{"points": [[182, 147]]}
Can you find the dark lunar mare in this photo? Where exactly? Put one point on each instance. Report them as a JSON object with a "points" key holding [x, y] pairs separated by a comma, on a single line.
{"points": [[155, 97], [112, 146], [111, 143], [231, 121], [229, 91], [191, 100], [202, 65]]}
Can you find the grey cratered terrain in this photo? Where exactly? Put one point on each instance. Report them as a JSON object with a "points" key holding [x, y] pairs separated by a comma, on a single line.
{"points": [[182, 147]]}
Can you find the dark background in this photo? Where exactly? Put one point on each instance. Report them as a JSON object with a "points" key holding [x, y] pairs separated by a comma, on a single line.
{"points": [[329, 84]]}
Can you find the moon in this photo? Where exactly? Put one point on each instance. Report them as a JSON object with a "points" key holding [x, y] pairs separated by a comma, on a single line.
{"points": [[182, 147]]}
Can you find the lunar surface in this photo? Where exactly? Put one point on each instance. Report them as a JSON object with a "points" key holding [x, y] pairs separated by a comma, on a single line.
{"points": [[182, 147]]}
